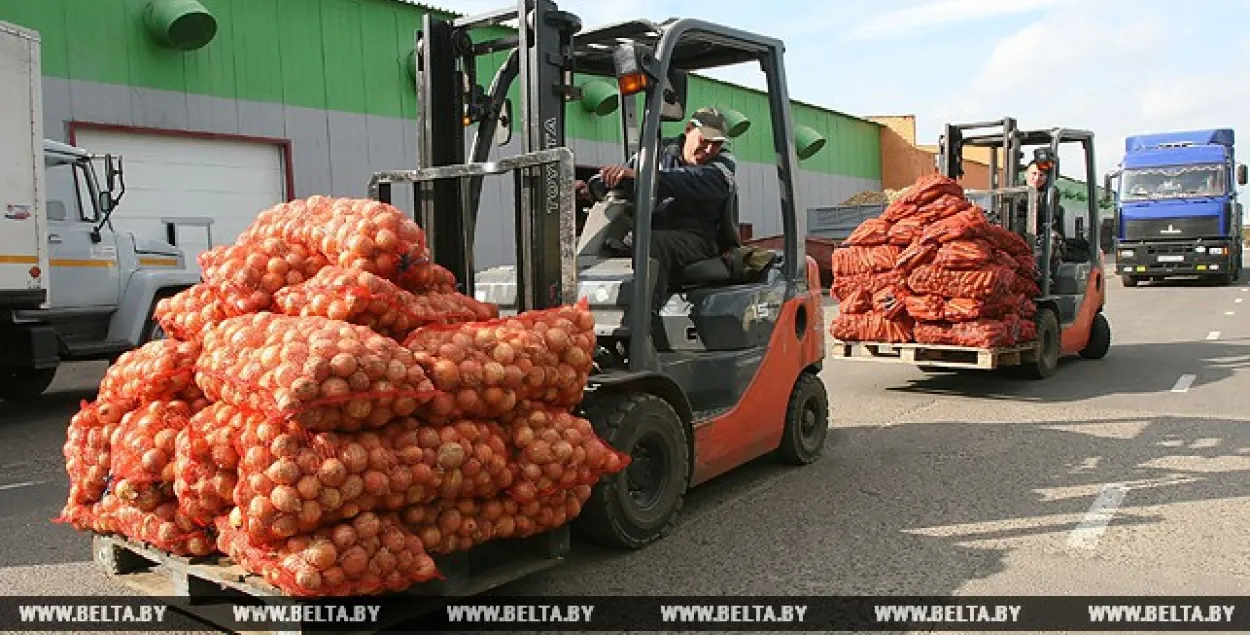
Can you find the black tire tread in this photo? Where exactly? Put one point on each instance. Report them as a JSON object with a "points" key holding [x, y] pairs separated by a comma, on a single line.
{"points": [[1035, 369], [594, 523], [34, 383], [786, 451], [1099, 338]]}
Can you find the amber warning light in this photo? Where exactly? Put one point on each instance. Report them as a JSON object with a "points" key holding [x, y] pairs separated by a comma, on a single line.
{"points": [[632, 83]]}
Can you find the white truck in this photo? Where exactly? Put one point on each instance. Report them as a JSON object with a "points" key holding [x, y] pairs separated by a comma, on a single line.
{"points": [[71, 288]]}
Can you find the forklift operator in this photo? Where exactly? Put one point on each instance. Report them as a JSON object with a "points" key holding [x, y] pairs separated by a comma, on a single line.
{"points": [[694, 182]]}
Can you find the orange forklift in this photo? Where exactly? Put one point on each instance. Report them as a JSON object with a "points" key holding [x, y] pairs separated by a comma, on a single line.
{"points": [[727, 370]]}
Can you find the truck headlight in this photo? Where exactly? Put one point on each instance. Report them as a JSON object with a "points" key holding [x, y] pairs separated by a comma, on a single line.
{"points": [[1126, 253]]}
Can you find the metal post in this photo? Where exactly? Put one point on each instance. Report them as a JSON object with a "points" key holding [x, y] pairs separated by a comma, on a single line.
{"points": [[441, 142]]}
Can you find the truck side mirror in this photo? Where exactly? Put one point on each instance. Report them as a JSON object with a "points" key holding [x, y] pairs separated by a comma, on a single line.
{"points": [[1241, 174]]}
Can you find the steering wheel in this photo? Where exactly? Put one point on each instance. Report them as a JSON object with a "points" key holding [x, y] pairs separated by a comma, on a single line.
{"points": [[599, 190]]}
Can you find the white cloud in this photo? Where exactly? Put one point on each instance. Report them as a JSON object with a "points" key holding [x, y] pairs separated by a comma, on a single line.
{"points": [[942, 12], [1110, 67]]}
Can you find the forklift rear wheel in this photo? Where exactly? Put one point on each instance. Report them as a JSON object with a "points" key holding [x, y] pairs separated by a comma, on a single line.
{"points": [[640, 504], [1128, 281], [1099, 338], [25, 385], [1047, 361], [807, 421]]}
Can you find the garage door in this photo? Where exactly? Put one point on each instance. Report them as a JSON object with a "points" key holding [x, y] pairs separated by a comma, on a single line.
{"points": [[227, 181]]}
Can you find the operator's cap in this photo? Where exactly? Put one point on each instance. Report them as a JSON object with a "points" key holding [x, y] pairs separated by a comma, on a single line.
{"points": [[710, 123]]}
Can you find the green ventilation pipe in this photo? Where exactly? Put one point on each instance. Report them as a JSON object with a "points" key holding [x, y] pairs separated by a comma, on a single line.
{"points": [[600, 97], [807, 142], [735, 121], [181, 24]]}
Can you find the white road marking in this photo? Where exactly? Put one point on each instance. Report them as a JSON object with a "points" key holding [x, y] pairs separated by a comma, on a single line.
{"points": [[1213, 335], [1087, 534], [20, 485], [1239, 300], [1183, 384], [1230, 313]]}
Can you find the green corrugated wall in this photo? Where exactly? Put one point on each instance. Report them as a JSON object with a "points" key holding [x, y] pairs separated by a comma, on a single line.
{"points": [[349, 55]]}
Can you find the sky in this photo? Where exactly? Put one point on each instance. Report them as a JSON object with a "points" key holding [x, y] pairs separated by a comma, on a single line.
{"points": [[1115, 67]]}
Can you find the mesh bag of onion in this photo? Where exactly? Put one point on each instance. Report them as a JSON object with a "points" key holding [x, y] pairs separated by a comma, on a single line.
{"points": [[367, 555], [161, 370], [244, 276], [484, 369], [142, 448], [365, 299], [553, 450], [447, 525], [359, 234], [292, 481], [323, 373], [206, 463]]}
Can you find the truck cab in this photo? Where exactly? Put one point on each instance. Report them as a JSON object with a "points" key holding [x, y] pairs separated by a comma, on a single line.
{"points": [[73, 288], [1177, 212]]}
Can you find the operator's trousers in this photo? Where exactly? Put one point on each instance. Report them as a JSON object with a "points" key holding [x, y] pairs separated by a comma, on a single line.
{"points": [[672, 250]]}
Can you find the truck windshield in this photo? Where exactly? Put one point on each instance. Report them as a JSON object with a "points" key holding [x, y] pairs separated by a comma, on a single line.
{"points": [[1179, 181], [68, 197]]}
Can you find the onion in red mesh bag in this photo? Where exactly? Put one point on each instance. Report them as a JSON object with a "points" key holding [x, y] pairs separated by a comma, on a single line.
{"points": [[327, 374], [206, 463], [358, 234], [926, 308], [247, 274], [982, 333], [906, 231], [891, 301], [871, 283], [88, 451], [142, 448], [554, 450], [989, 283], [368, 555], [964, 254], [369, 300], [484, 369], [165, 528], [871, 327], [292, 482], [446, 526], [859, 260], [858, 301], [967, 224], [919, 253], [189, 313], [158, 370], [870, 233]]}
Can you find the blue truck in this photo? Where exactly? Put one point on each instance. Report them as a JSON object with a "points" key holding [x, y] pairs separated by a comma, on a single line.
{"points": [[1177, 212]]}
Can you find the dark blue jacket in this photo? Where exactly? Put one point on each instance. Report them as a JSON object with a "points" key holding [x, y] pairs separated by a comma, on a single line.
{"points": [[691, 197]]}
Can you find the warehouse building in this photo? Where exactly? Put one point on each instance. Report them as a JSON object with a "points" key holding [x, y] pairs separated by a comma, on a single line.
{"points": [[222, 108]]}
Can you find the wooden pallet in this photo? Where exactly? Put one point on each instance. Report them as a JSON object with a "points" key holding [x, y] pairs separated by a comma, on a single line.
{"points": [[937, 355], [207, 587]]}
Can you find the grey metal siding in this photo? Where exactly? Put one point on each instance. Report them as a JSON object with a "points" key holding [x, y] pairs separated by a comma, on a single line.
{"points": [[334, 153]]}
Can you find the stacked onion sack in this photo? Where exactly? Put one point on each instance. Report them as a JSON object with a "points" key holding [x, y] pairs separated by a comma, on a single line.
{"points": [[331, 413], [933, 270]]}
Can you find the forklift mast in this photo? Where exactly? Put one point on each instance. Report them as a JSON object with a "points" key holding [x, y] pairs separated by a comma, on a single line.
{"points": [[450, 100]]}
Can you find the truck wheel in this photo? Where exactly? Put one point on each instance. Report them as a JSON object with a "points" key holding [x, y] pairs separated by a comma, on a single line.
{"points": [[25, 385], [152, 330], [640, 504], [1099, 338], [1128, 281], [807, 422], [1047, 361]]}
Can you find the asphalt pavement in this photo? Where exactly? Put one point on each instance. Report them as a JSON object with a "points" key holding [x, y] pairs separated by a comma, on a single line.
{"points": [[1127, 475]]}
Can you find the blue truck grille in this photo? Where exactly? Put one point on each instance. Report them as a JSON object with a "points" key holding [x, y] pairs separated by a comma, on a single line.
{"points": [[1171, 228]]}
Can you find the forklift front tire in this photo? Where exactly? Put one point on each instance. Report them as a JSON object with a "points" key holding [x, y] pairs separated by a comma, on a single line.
{"points": [[640, 504], [1046, 361], [1128, 281], [1099, 338]]}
